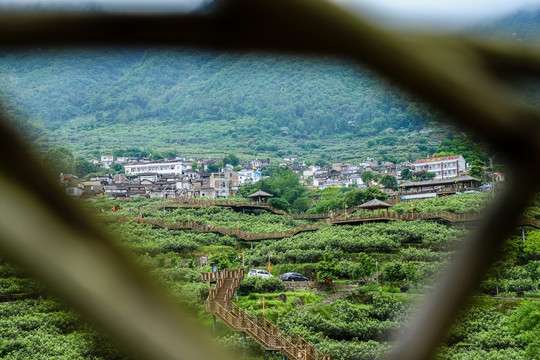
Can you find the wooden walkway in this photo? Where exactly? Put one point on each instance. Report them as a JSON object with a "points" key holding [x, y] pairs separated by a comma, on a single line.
{"points": [[243, 204], [355, 219], [220, 304]]}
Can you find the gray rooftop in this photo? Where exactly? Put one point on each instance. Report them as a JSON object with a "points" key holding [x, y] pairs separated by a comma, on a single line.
{"points": [[456, 180]]}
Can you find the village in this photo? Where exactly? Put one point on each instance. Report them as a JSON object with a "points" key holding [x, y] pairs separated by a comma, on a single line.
{"points": [[190, 178]]}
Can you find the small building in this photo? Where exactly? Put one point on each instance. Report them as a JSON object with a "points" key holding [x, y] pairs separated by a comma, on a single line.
{"points": [[107, 160], [290, 157], [498, 176], [118, 178], [260, 163], [207, 192], [356, 180]]}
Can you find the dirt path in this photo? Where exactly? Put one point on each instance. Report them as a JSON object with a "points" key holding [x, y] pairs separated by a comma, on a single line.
{"points": [[332, 298]]}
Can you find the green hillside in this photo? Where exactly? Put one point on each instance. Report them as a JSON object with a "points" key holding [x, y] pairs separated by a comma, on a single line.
{"points": [[205, 103], [185, 100]]}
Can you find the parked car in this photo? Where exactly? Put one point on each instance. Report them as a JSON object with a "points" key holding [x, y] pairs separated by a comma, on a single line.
{"points": [[292, 276], [262, 273]]}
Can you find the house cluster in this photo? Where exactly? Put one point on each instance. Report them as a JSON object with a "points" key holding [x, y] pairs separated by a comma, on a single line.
{"points": [[172, 178], [347, 174], [178, 177]]}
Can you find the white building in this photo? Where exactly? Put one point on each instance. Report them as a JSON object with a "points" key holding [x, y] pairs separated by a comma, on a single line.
{"points": [[355, 180], [310, 171], [443, 167], [107, 160], [245, 176], [160, 168]]}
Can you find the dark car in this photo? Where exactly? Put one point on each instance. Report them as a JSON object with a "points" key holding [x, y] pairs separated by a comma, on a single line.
{"points": [[292, 276]]}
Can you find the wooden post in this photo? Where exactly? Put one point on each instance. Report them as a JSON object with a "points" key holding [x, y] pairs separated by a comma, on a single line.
{"points": [[244, 343]]}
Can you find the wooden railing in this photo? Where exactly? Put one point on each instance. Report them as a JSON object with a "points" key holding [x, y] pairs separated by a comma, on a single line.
{"points": [[198, 203], [355, 218], [348, 219], [188, 202], [260, 329]]}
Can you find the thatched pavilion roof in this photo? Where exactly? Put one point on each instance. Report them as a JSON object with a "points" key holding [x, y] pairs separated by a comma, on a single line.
{"points": [[260, 194], [375, 204]]}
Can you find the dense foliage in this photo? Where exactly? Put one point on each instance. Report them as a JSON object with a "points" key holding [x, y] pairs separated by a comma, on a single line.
{"points": [[383, 256], [283, 184], [458, 204], [95, 101], [32, 325]]}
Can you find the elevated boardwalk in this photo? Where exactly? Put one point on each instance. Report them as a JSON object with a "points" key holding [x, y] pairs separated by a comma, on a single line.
{"points": [[355, 219], [241, 204], [219, 303]]}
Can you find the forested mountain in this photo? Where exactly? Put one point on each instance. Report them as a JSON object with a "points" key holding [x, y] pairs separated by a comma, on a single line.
{"points": [[176, 96], [204, 103]]}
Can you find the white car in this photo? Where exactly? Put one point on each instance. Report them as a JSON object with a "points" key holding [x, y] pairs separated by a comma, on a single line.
{"points": [[262, 273]]}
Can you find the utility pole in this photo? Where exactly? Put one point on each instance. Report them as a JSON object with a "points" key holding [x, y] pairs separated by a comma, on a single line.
{"points": [[492, 178]]}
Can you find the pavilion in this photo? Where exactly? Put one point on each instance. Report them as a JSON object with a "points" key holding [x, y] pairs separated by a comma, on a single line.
{"points": [[375, 204], [261, 196]]}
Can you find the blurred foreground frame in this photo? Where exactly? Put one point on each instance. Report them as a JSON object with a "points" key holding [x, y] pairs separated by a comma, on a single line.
{"points": [[52, 237]]}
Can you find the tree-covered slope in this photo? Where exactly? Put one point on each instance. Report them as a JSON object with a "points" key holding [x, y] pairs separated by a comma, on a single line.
{"points": [[195, 96], [95, 100]]}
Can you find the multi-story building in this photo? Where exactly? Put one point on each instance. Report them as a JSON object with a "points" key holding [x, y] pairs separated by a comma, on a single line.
{"points": [[443, 167], [159, 168], [245, 176], [224, 183]]}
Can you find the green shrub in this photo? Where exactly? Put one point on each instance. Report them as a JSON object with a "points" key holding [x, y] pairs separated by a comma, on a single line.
{"points": [[256, 284]]}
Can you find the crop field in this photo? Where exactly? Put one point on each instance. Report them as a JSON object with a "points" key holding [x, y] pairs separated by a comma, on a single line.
{"points": [[387, 269]]}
